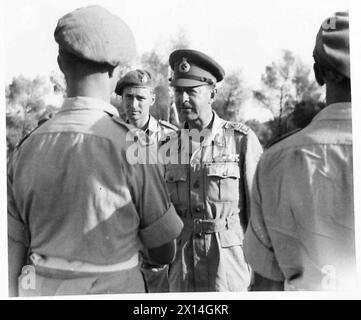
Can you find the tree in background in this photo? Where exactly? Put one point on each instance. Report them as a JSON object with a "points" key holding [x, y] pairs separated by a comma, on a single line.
{"points": [[230, 97], [157, 63], [305, 111], [27, 100], [286, 83], [287, 90]]}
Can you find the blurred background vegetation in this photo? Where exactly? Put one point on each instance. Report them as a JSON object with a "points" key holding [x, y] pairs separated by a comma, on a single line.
{"points": [[288, 97]]}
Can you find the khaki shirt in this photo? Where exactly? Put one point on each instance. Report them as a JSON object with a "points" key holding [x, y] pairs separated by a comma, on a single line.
{"points": [[73, 195], [159, 130], [211, 194], [302, 222]]}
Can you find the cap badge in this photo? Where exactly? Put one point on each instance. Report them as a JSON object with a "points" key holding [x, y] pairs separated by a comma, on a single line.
{"points": [[143, 78], [184, 66]]}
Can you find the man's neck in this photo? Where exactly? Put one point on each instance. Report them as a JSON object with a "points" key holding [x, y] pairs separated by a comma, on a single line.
{"points": [[141, 123], [92, 86], [337, 93]]}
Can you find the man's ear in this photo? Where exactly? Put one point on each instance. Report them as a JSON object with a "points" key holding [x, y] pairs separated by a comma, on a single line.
{"points": [[60, 64], [153, 99], [213, 93], [318, 74], [114, 72]]}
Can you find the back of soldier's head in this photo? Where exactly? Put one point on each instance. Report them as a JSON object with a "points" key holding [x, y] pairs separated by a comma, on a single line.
{"points": [[93, 38], [332, 52]]}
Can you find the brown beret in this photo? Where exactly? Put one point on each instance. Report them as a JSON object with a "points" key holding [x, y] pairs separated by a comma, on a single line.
{"points": [[93, 33]]}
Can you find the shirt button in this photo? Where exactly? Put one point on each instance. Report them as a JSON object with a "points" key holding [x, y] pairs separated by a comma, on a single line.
{"points": [[196, 185], [198, 209]]}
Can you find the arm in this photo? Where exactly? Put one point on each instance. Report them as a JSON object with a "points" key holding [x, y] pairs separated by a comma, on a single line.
{"points": [[17, 241], [159, 222], [258, 247], [163, 254], [17, 255]]}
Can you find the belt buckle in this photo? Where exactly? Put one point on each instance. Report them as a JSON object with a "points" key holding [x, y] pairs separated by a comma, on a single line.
{"points": [[197, 226]]}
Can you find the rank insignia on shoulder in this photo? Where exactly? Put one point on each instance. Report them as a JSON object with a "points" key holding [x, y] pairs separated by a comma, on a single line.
{"points": [[227, 158], [238, 126]]}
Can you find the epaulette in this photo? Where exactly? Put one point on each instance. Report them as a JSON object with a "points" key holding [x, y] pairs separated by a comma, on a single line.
{"points": [[120, 122], [238, 126], [168, 125], [282, 137], [25, 137], [40, 122]]}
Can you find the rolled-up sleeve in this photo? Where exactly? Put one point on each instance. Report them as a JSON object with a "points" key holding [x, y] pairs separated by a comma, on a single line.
{"points": [[159, 222], [257, 244], [162, 230]]}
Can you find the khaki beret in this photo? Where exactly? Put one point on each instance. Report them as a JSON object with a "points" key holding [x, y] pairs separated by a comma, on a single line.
{"points": [[332, 47], [93, 33]]}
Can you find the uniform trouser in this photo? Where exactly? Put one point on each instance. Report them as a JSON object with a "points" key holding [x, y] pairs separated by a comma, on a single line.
{"points": [[156, 279], [50, 282]]}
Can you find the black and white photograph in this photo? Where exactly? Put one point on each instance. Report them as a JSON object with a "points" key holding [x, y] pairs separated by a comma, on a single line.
{"points": [[180, 149]]}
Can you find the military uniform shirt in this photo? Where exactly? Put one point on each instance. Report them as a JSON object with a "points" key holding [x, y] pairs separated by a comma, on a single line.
{"points": [[302, 222], [159, 130], [214, 184], [73, 195]]}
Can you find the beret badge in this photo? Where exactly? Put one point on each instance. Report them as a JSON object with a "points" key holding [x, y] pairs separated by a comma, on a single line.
{"points": [[143, 78], [184, 66]]}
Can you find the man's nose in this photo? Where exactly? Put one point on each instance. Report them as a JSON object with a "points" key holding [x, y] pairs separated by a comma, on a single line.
{"points": [[133, 103], [185, 97]]}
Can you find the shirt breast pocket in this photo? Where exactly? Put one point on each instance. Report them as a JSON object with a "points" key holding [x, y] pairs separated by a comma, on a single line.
{"points": [[223, 181], [176, 177]]}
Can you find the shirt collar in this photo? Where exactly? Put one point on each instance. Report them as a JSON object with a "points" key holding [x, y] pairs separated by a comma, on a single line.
{"points": [[215, 123], [152, 126], [79, 103], [335, 111], [215, 127]]}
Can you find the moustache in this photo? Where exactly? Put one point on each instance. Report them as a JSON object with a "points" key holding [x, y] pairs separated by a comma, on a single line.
{"points": [[186, 105]]}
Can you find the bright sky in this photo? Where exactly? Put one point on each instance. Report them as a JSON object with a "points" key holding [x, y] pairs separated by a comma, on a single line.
{"points": [[245, 35]]}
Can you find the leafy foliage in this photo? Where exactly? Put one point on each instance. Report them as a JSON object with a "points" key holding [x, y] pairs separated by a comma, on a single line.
{"points": [[287, 90]]}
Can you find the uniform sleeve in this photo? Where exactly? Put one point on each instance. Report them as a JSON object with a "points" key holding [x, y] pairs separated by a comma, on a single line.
{"points": [[17, 230], [159, 222], [253, 152], [257, 244]]}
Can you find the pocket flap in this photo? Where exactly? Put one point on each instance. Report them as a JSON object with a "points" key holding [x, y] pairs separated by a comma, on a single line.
{"points": [[231, 237], [224, 170]]}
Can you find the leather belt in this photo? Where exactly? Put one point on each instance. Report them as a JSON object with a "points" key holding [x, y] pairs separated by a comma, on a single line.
{"points": [[79, 266], [204, 226]]}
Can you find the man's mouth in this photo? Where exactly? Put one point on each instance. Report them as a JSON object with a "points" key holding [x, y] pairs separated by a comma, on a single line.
{"points": [[133, 113], [186, 108]]}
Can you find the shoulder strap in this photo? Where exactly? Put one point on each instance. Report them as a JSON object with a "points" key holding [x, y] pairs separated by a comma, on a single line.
{"points": [[238, 126]]}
